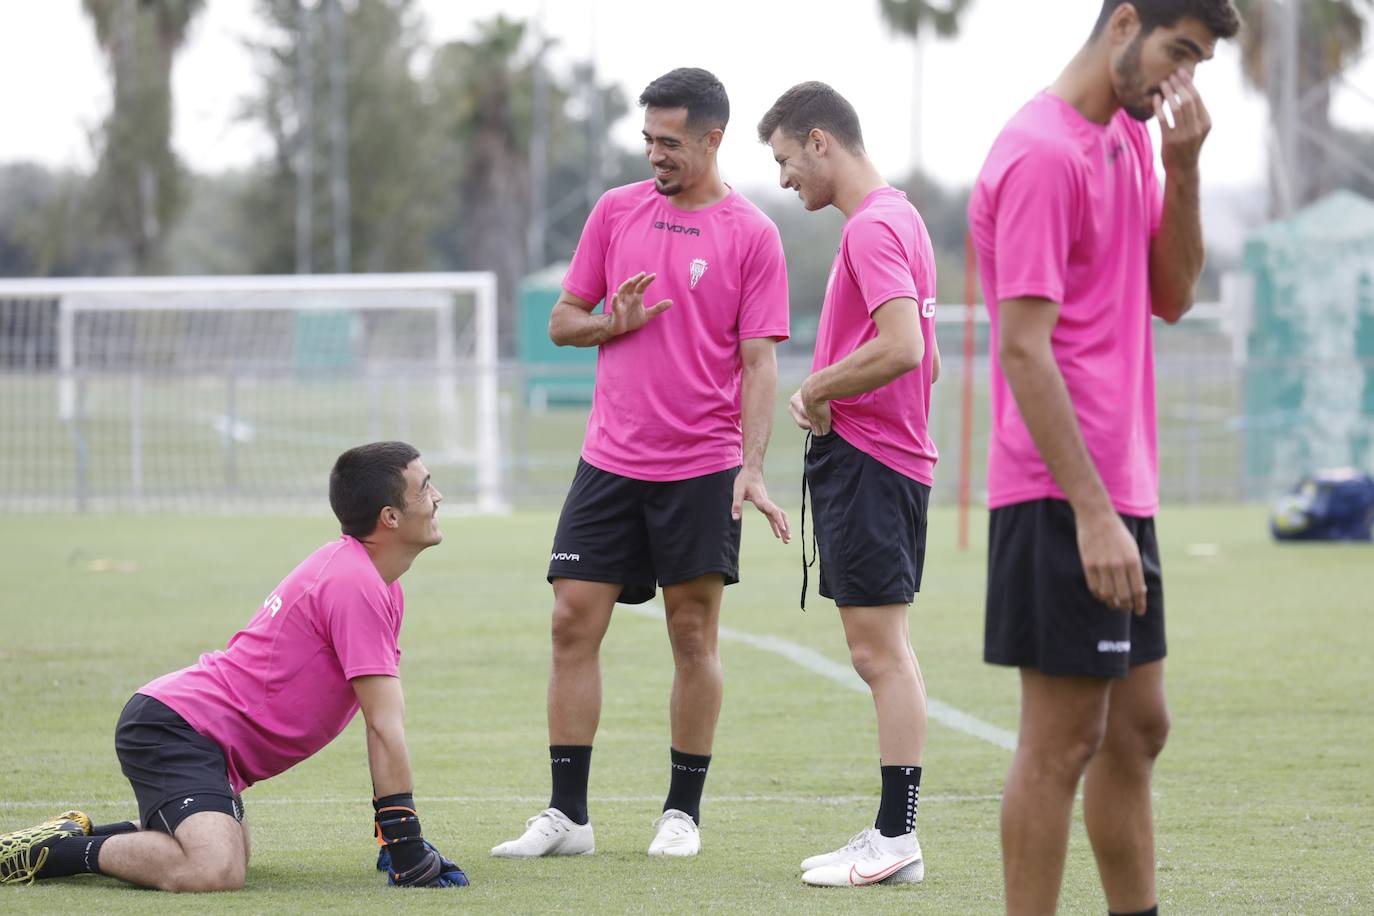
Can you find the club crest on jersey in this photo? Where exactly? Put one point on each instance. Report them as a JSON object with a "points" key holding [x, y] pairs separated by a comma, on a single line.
{"points": [[698, 270]]}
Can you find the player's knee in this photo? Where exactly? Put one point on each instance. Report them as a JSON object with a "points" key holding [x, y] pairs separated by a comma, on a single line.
{"points": [[1065, 755], [691, 640], [1080, 749], [208, 877], [1151, 733], [571, 631], [1139, 738], [228, 874], [874, 664]]}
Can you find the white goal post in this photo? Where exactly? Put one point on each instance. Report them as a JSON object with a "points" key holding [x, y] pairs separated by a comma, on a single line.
{"points": [[227, 393]]}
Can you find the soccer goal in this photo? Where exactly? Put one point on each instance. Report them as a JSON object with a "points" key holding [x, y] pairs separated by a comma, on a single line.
{"points": [[235, 394]]}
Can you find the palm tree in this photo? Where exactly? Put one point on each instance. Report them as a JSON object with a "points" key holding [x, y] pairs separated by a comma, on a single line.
{"points": [[138, 179], [1330, 36], [911, 16], [915, 18], [486, 84]]}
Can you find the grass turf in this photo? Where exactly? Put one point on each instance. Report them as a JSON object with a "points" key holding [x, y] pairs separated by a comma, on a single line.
{"points": [[1264, 796]]}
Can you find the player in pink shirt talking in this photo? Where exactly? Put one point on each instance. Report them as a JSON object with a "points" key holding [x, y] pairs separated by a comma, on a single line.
{"points": [[1078, 246], [322, 645], [870, 461], [680, 420]]}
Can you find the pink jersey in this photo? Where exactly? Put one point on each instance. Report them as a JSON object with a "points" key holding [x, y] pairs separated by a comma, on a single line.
{"points": [[884, 254], [1064, 210], [281, 691], [667, 399]]}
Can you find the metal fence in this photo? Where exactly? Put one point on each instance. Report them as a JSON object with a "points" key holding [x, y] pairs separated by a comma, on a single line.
{"points": [[206, 436], [1204, 431]]}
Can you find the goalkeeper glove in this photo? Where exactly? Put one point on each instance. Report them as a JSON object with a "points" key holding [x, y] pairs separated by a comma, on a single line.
{"points": [[405, 856]]}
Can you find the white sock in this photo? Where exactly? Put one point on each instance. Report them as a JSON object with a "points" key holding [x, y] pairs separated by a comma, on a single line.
{"points": [[896, 845]]}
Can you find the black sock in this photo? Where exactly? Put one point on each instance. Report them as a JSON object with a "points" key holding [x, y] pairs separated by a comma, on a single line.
{"points": [[1152, 911], [901, 793], [112, 829], [72, 855], [688, 779], [571, 764]]}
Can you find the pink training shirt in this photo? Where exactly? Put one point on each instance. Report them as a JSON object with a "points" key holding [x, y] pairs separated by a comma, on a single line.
{"points": [[667, 399], [280, 691], [884, 254], [1064, 210]]}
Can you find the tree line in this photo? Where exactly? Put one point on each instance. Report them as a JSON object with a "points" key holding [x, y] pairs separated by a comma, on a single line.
{"points": [[389, 155]]}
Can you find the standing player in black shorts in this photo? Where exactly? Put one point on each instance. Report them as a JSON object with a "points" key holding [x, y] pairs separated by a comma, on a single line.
{"points": [[870, 462], [680, 420], [1078, 246]]}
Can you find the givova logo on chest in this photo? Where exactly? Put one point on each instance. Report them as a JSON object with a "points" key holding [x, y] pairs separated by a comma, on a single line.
{"points": [[676, 228]]}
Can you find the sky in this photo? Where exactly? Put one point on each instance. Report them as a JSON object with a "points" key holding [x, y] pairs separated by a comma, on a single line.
{"points": [[57, 84]]}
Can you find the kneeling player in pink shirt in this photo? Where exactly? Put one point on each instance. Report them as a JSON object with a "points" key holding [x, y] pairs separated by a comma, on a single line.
{"points": [[322, 645]]}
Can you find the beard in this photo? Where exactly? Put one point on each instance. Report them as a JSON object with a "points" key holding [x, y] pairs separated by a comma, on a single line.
{"points": [[1137, 101], [670, 186]]}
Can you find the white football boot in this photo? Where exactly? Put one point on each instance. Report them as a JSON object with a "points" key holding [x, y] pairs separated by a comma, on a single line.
{"points": [[845, 853], [677, 835], [878, 860], [549, 833]]}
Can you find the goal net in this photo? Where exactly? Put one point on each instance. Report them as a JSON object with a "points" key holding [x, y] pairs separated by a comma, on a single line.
{"points": [[228, 394]]}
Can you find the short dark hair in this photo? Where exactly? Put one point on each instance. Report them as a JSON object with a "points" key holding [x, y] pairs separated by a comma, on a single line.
{"points": [[694, 89], [365, 480], [1219, 16], [810, 105]]}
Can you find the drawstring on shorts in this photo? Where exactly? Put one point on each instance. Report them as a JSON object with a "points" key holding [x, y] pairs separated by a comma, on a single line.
{"points": [[806, 564]]}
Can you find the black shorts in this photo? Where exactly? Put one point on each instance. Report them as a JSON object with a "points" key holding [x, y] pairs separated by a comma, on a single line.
{"points": [[174, 769], [870, 525], [644, 533], [1040, 613]]}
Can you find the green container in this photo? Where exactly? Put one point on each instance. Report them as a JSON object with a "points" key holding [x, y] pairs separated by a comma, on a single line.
{"points": [[554, 376], [325, 341], [1309, 374]]}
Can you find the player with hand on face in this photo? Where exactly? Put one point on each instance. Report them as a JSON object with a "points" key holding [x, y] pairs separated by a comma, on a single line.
{"points": [[323, 645], [870, 461], [680, 420], [1078, 247]]}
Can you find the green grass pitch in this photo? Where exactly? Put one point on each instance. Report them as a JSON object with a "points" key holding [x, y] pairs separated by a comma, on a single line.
{"points": [[1265, 798]]}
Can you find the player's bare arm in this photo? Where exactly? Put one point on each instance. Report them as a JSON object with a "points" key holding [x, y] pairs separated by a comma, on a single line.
{"points": [[758, 388], [1177, 253], [410, 859], [384, 710], [934, 361], [898, 349], [573, 323], [1111, 558]]}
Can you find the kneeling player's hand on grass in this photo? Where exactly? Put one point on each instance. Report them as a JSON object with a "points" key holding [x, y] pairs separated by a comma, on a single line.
{"points": [[406, 857], [450, 875]]}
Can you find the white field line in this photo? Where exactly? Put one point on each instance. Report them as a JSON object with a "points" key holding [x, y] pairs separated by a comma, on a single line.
{"points": [[845, 676], [833, 800]]}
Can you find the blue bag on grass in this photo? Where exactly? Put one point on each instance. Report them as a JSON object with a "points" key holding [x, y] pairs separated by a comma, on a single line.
{"points": [[1331, 505]]}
